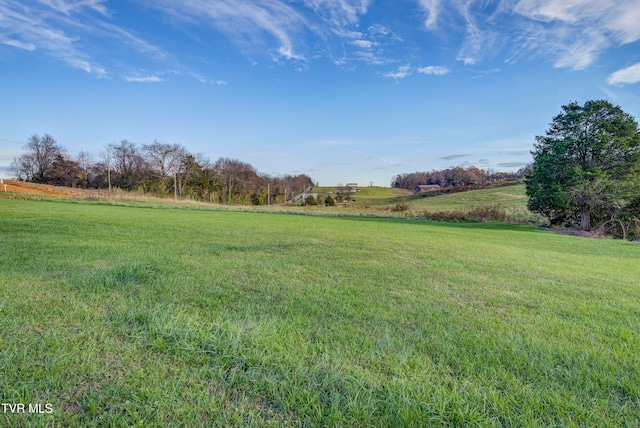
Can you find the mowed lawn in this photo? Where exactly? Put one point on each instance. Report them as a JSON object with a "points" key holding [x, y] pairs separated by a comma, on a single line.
{"points": [[121, 316]]}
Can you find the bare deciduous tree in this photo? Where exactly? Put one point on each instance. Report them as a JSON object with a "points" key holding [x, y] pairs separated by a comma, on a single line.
{"points": [[36, 163], [128, 166], [164, 160]]}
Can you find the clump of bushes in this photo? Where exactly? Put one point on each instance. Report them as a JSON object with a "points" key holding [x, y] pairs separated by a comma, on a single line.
{"points": [[401, 207], [329, 201], [479, 214], [311, 201]]}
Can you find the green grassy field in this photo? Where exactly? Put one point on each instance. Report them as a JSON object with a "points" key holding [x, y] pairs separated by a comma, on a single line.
{"points": [[377, 197], [512, 198], [125, 316]]}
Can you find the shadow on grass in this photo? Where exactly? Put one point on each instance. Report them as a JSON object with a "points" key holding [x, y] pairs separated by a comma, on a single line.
{"points": [[491, 225]]}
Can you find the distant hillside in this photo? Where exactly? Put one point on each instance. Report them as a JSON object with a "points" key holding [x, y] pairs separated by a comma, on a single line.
{"points": [[510, 197]]}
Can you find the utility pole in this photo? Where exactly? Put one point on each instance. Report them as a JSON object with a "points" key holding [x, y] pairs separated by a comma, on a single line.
{"points": [[175, 186], [109, 169], [268, 195]]}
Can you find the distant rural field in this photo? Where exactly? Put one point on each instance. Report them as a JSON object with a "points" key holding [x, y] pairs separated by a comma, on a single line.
{"points": [[131, 316], [511, 197]]}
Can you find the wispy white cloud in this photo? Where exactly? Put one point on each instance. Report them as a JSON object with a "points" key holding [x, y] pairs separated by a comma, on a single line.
{"points": [[365, 44], [72, 6], [341, 13], [373, 46], [628, 75], [617, 18], [86, 66], [582, 52], [368, 57], [206, 81], [566, 33], [486, 73], [475, 42], [399, 73], [18, 44], [573, 33], [36, 33], [252, 25], [287, 52], [65, 30], [582, 29], [143, 79], [74, 31], [381, 31], [127, 38], [456, 156], [432, 9], [569, 33], [434, 69], [407, 70]]}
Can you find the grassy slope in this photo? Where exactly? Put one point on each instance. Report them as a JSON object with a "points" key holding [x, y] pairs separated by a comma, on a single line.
{"points": [[512, 197], [120, 315]]}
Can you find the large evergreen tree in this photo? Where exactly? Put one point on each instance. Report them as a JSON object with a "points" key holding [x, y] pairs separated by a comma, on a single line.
{"points": [[586, 166]]}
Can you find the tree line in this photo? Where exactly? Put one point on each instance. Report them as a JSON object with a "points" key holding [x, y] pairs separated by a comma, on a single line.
{"points": [[159, 169], [454, 177]]}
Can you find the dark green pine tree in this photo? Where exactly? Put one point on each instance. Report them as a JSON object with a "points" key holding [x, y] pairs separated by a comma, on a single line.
{"points": [[587, 165]]}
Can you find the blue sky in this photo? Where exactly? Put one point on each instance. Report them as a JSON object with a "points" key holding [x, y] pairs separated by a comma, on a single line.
{"points": [[342, 90]]}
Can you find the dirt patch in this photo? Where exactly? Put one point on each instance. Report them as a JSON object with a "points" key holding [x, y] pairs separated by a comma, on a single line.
{"points": [[12, 186]]}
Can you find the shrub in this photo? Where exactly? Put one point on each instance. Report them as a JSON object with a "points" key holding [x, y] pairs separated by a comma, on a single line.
{"points": [[329, 201], [482, 214], [401, 207]]}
